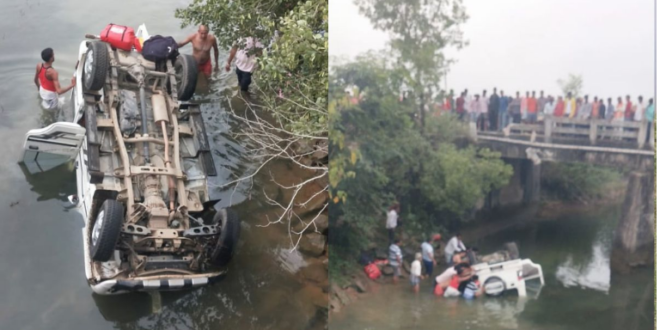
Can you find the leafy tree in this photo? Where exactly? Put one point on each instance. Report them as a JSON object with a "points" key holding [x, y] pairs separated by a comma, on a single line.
{"points": [[419, 30], [571, 85]]}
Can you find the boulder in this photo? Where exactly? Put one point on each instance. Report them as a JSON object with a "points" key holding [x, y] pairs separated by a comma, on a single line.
{"points": [[321, 223], [334, 304], [312, 244], [315, 273]]}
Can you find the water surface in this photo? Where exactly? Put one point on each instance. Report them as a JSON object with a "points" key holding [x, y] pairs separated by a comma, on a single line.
{"points": [[580, 292]]}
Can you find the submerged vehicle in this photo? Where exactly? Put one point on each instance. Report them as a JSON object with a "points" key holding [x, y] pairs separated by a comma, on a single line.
{"points": [[504, 270], [142, 160]]}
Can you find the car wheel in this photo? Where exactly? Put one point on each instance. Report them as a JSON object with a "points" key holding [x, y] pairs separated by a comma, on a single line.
{"points": [[225, 246], [512, 248], [96, 66], [185, 70], [494, 286], [106, 229]]}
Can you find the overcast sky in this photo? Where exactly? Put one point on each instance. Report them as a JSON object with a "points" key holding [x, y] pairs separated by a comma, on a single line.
{"points": [[520, 45]]}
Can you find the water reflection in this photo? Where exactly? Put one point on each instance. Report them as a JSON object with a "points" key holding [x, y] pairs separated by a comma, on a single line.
{"points": [[594, 275]]}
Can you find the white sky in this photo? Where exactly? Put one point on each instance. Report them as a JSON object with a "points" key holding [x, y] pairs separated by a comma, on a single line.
{"points": [[520, 45]]}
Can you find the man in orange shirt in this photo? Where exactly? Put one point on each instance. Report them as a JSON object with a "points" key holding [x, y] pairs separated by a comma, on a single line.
{"points": [[594, 108], [531, 108]]}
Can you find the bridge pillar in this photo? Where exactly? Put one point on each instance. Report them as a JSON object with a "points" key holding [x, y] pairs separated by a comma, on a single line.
{"points": [[531, 172], [635, 234]]}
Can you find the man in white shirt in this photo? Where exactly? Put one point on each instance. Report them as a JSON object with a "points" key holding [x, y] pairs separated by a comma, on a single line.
{"points": [[392, 221], [639, 109], [246, 60], [454, 245]]}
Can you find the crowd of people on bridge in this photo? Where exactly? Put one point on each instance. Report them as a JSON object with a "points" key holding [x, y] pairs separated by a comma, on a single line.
{"points": [[496, 111]]}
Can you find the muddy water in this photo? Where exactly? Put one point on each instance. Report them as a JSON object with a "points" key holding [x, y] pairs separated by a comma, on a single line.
{"points": [[41, 268], [580, 292]]}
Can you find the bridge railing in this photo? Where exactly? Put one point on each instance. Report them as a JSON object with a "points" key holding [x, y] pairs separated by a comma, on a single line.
{"points": [[591, 130]]}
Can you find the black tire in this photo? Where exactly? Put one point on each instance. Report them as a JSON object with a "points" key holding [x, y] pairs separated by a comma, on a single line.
{"points": [[512, 248], [94, 79], [103, 242], [495, 289], [230, 229], [185, 68]]}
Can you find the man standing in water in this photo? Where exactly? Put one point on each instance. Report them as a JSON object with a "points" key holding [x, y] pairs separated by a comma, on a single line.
{"points": [[246, 60], [395, 259], [428, 256], [202, 42], [47, 80]]}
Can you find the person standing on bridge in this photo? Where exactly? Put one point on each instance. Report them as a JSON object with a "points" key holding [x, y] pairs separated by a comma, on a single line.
{"points": [[483, 111], [560, 107], [202, 42], [47, 80], [514, 108], [639, 110], [460, 107], [585, 108], [628, 112], [493, 110], [523, 107], [503, 118], [594, 108], [549, 107], [609, 112], [650, 117], [602, 109], [570, 106], [540, 106], [531, 108], [619, 111]]}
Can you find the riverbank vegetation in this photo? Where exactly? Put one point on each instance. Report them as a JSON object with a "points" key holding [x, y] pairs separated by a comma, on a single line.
{"points": [[379, 155]]}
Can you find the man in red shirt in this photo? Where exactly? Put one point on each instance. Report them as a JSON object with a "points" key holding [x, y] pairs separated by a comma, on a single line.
{"points": [[460, 106], [46, 78], [628, 113]]}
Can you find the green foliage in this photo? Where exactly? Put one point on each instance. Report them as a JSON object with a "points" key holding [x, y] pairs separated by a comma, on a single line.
{"points": [[419, 30], [578, 181], [455, 180], [573, 85], [232, 20]]}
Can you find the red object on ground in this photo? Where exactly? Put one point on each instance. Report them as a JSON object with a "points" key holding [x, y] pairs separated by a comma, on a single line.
{"points": [[118, 36], [372, 271], [438, 291]]}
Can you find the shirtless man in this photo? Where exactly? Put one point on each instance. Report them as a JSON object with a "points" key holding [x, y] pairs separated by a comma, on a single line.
{"points": [[202, 42], [47, 80]]}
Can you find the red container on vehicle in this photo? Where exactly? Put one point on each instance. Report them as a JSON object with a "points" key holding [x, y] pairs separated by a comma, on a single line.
{"points": [[118, 36]]}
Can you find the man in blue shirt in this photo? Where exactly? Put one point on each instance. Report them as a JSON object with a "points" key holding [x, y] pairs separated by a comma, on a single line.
{"points": [[503, 119]]}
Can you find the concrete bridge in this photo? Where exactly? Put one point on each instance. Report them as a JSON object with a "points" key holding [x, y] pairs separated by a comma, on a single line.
{"points": [[619, 145]]}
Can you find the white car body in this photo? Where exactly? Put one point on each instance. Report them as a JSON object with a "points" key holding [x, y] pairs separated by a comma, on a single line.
{"points": [[514, 275], [69, 142]]}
